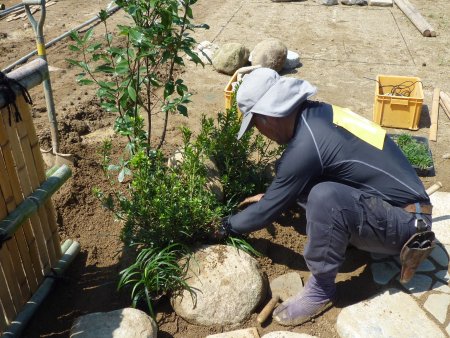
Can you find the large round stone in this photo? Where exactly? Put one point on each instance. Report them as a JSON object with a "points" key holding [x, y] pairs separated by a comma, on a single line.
{"points": [[230, 57], [122, 323], [228, 286], [270, 53]]}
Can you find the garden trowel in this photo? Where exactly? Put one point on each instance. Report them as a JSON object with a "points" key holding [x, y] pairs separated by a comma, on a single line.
{"points": [[281, 288]]}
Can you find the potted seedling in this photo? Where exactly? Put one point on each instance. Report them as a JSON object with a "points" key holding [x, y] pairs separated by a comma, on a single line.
{"points": [[417, 152]]}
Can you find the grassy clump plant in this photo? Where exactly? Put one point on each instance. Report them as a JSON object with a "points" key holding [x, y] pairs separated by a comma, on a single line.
{"points": [[415, 151]]}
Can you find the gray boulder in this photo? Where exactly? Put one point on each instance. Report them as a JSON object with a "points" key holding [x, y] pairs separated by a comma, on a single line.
{"points": [[122, 323], [228, 286], [329, 2], [270, 53], [230, 57]]}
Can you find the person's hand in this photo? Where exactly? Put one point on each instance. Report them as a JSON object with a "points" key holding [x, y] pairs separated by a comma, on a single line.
{"points": [[219, 230], [251, 199]]}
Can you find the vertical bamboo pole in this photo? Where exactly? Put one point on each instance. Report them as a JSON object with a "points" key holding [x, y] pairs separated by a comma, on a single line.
{"points": [[33, 234], [17, 274], [7, 311], [8, 279], [46, 232], [40, 170], [24, 237]]}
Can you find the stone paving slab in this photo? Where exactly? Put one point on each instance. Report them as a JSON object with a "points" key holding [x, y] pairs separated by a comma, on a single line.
{"points": [[286, 334], [251, 332], [380, 3], [429, 284], [391, 313]]}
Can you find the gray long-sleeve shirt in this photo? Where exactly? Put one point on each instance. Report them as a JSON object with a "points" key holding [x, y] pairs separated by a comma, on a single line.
{"points": [[321, 151]]}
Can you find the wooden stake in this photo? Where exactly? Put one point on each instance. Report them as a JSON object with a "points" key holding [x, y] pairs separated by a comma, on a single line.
{"points": [[445, 103], [434, 115], [416, 18]]}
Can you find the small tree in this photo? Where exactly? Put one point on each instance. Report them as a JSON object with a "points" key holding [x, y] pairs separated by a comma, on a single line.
{"points": [[131, 66]]}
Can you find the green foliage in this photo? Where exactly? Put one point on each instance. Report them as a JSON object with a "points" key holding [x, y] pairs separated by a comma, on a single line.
{"points": [[164, 209], [243, 164], [165, 205], [155, 273], [129, 67], [416, 152]]}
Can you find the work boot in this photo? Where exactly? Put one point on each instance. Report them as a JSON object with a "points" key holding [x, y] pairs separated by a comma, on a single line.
{"points": [[317, 296], [414, 252]]}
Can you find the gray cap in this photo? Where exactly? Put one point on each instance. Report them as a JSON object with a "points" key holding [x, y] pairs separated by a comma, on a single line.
{"points": [[265, 92]]}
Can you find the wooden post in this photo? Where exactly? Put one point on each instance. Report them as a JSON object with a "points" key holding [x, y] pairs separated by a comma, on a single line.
{"points": [[445, 103], [416, 18], [434, 115]]}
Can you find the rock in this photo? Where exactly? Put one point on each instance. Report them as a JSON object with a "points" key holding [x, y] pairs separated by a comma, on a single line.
{"points": [[244, 333], [286, 334], [380, 3], [205, 51], [354, 2], [176, 158], [437, 305], [389, 314], [270, 53], [292, 60], [230, 57], [214, 185], [383, 272], [122, 323], [418, 285], [329, 2], [228, 286]]}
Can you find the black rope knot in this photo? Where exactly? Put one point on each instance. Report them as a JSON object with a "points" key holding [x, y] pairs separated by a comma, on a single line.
{"points": [[6, 87]]}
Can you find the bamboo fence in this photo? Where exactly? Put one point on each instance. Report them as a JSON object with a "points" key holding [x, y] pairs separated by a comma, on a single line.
{"points": [[34, 248]]}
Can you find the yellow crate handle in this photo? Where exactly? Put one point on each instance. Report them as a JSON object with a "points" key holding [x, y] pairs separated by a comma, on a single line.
{"points": [[398, 102]]}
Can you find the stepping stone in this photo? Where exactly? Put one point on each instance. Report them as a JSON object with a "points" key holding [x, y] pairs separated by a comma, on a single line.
{"points": [[392, 313], [244, 333], [380, 3], [441, 287], [426, 266], [122, 323], [441, 216], [437, 305], [286, 334], [418, 285], [443, 275], [440, 256], [383, 272]]}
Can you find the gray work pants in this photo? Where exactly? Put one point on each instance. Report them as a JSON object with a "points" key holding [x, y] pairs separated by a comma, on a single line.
{"points": [[338, 215]]}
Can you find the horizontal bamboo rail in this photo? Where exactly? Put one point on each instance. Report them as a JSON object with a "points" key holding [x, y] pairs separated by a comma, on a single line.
{"points": [[29, 76], [70, 249], [37, 199]]}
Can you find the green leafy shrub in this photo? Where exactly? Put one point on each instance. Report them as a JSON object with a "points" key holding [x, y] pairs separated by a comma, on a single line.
{"points": [[165, 205], [416, 152], [243, 164]]}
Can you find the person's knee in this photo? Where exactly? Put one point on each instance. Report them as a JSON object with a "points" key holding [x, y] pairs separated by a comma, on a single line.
{"points": [[326, 198], [322, 193]]}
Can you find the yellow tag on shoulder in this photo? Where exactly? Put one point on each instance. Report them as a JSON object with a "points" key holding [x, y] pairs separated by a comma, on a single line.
{"points": [[359, 126]]}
